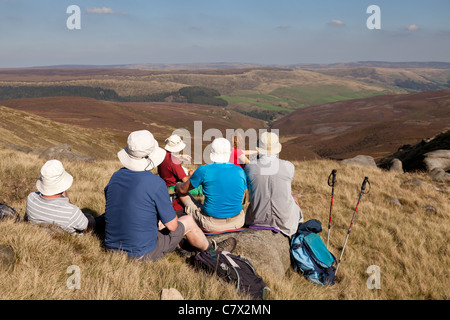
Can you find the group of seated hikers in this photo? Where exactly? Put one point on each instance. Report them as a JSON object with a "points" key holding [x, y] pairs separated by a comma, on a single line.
{"points": [[148, 215]]}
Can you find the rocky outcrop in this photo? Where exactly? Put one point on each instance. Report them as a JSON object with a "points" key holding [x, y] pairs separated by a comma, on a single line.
{"points": [[439, 175], [396, 166], [7, 258], [171, 294], [426, 155], [361, 160], [63, 152], [439, 159], [266, 250]]}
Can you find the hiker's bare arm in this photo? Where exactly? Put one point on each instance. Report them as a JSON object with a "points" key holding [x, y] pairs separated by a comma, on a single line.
{"points": [[191, 172], [243, 159], [250, 152], [183, 188], [172, 225]]}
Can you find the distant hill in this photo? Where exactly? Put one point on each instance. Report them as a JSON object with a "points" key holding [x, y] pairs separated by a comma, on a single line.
{"points": [[380, 64], [375, 126], [261, 91], [266, 93]]}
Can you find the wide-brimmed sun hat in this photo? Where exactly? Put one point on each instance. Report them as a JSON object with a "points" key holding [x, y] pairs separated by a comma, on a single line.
{"points": [[142, 152], [220, 150], [269, 143], [54, 179], [174, 143]]}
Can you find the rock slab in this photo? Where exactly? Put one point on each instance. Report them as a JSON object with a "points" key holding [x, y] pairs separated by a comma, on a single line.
{"points": [[266, 250], [361, 160], [7, 258]]}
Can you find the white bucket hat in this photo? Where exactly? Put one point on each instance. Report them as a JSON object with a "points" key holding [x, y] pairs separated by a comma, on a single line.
{"points": [[174, 144], [269, 143], [142, 152], [54, 179], [220, 150]]}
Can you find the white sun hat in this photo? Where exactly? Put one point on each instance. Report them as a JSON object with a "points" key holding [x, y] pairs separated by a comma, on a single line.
{"points": [[174, 144], [142, 152], [54, 179], [220, 150], [269, 143]]}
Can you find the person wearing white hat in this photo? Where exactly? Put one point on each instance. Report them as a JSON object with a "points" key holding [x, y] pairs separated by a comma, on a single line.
{"points": [[224, 185], [137, 204], [172, 171], [272, 204], [51, 204]]}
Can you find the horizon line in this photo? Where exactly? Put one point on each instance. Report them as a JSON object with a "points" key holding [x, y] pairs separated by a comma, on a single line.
{"points": [[218, 63]]}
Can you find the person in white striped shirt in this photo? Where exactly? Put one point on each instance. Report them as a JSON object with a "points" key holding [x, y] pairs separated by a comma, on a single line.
{"points": [[51, 204]]}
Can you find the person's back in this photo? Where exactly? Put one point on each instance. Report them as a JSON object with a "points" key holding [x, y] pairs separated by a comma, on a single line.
{"points": [[51, 204], [171, 169], [269, 182], [132, 213], [224, 185], [58, 211]]}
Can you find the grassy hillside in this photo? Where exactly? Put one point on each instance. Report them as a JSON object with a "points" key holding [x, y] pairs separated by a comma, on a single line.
{"points": [[114, 121], [28, 132], [408, 243]]}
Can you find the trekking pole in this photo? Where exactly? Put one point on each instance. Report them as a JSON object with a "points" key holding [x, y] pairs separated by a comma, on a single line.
{"points": [[331, 183], [363, 187]]}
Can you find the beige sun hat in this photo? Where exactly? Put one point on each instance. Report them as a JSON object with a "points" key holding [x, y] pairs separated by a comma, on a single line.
{"points": [[54, 179], [220, 150], [142, 152], [269, 143], [174, 144]]}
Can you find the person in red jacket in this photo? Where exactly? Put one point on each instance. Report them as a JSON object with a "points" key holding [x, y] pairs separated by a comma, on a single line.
{"points": [[172, 171]]}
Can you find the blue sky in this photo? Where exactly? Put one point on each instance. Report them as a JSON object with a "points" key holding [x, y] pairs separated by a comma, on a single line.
{"points": [[34, 33]]}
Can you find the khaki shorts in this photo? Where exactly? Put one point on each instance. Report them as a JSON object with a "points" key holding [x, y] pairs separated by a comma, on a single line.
{"points": [[208, 223]]}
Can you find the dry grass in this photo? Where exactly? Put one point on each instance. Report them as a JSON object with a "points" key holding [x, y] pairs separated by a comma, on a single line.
{"points": [[408, 244]]}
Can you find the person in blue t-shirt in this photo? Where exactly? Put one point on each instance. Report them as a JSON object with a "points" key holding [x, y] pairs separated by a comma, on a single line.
{"points": [[139, 217], [224, 186]]}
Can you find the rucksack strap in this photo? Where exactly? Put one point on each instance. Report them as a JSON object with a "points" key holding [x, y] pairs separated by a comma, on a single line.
{"points": [[235, 266]]}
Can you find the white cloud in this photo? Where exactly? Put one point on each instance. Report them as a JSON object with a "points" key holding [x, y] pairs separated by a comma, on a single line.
{"points": [[412, 27], [337, 23], [103, 10]]}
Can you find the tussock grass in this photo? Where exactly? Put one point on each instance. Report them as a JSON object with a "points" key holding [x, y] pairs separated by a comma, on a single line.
{"points": [[409, 244]]}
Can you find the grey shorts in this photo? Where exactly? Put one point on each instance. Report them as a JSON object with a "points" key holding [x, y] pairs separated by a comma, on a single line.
{"points": [[166, 243]]}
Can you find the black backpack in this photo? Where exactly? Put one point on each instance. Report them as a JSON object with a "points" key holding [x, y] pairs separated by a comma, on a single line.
{"points": [[6, 212], [231, 268]]}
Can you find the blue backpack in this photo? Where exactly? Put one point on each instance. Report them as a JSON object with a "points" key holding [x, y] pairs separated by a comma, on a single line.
{"points": [[310, 256]]}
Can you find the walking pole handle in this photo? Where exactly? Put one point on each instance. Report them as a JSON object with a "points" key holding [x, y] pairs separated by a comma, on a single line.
{"points": [[332, 178], [331, 183], [363, 187]]}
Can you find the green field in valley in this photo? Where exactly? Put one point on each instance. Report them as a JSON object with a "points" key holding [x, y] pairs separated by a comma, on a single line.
{"points": [[287, 99], [317, 94]]}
